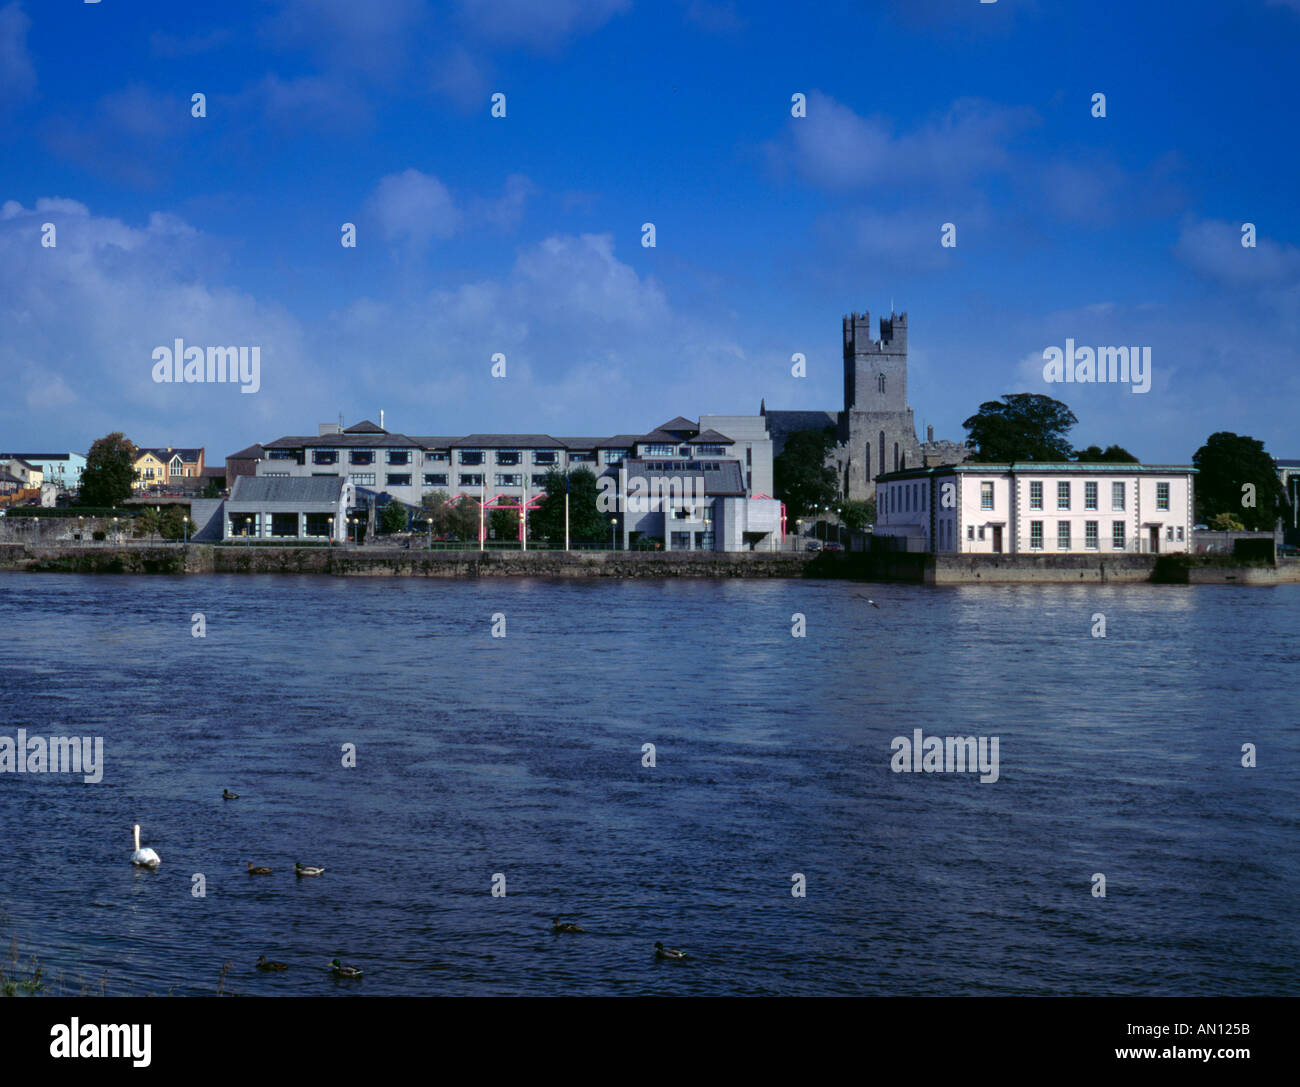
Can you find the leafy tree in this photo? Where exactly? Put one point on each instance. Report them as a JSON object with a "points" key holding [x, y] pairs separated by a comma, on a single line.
{"points": [[1026, 426], [586, 522], [505, 523], [109, 476], [459, 519], [857, 514], [1225, 464], [147, 522], [214, 489], [1112, 454], [800, 475], [174, 523], [1226, 522], [392, 518]]}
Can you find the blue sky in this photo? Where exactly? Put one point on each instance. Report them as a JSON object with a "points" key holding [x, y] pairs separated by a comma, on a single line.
{"points": [[521, 235]]}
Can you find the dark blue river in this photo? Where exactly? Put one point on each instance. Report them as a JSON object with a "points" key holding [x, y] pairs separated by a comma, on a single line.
{"points": [[522, 756]]}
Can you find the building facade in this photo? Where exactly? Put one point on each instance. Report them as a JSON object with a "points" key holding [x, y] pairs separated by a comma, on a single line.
{"points": [[875, 432], [162, 467], [1029, 508], [386, 466], [285, 509], [62, 468]]}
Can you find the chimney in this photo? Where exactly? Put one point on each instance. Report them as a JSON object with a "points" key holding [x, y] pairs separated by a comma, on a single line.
{"points": [[929, 433], [381, 418]]}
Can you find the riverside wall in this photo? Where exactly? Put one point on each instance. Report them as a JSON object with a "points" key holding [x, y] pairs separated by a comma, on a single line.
{"points": [[377, 561]]}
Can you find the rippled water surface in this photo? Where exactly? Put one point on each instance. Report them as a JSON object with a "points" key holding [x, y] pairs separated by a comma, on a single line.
{"points": [[522, 755]]}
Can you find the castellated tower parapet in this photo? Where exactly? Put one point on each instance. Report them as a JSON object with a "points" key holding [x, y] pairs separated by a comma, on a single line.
{"points": [[875, 370]]}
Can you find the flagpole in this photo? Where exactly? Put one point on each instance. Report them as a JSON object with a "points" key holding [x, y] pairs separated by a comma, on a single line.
{"points": [[482, 518], [566, 512]]}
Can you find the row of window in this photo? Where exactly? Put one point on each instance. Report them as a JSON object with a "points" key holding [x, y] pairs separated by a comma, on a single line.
{"points": [[440, 479], [1090, 535], [1117, 495], [504, 457], [906, 498]]}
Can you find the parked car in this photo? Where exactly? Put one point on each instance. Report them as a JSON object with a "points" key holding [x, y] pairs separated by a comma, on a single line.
{"points": [[812, 545], [833, 546], [1289, 549]]}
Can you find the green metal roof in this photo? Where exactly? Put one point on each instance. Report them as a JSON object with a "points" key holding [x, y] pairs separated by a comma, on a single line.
{"points": [[1029, 467]]}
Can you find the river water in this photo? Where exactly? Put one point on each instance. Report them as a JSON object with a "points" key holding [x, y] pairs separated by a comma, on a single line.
{"points": [[522, 756]]}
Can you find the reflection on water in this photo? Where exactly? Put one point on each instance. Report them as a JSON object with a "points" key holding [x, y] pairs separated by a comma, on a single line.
{"points": [[523, 756]]}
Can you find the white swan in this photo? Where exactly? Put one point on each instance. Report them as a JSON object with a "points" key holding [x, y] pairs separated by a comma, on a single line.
{"points": [[145, 858]]}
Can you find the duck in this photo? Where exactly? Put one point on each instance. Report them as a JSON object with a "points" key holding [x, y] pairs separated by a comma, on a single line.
{"points": [[260, 870], [868, 600], [226, 794], [565, 926], [341, 971], [307, 869], [144, 858], [263, 963], [662, 952]]}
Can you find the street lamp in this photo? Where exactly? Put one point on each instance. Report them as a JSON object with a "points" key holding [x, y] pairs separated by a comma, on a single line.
{"points": [[613, 522], [330, 522]]}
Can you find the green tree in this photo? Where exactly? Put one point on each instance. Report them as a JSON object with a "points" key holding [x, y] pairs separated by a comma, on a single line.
{"points": [[1227, 465], [1226, 522], [213, 489], [174, 523], [148, 522], [1112, 454], [857, 514], [505, 524], [587, 523], [1026, 426], [800, 475], [109, 476], [392, 518]]}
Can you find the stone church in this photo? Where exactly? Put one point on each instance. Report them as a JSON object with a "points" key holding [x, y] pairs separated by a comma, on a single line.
{"points": [[875, 432]]}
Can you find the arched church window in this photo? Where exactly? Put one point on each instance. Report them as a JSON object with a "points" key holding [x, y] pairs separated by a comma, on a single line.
{"points": [[880, 383], [895, 456]]}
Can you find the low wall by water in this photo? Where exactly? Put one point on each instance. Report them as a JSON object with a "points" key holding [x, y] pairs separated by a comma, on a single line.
{"points": [[145, 558]]}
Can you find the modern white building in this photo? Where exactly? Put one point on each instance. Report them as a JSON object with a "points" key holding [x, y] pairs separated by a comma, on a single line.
{"points": [[728, 456], [1038, 508]]}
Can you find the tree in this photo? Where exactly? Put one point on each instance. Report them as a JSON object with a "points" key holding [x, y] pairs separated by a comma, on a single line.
{"points": [[392, 518], [1027, 426], [1227, 522], [213, 489], [147, 522], [504, 523], [1112, 454], [800, 475], [857, 514], [1235, 475], [586, 522], [174, 523], [458, 520], [109, 476]]}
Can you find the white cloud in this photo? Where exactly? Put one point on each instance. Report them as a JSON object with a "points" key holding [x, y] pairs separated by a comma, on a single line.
{"points": [[17, 73], [413, 208], [835, 147], [537, 24]]}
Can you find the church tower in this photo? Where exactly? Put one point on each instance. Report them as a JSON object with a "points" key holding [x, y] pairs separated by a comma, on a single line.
{"points": [[877, 432]]}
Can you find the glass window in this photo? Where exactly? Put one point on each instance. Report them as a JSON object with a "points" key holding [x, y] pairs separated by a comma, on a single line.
{"points": [[1036, 495], [544, 456], [681, 541], [1090, 535], [659, 450], [970, 532], [1162, 496], [284, 524], [436, 455], [1117, 496], [709, 450], [470, 479], [399, 456], [1117, 535], [507, 456], [471, 456], [401, 479], [508, 479], [1036, 535], [1090, 495], [1063, 495], [435, 479], [325, 456], [362, 456], [364, 479], [1180, 533], [1063, 535], [986, 496], [615, 456]]}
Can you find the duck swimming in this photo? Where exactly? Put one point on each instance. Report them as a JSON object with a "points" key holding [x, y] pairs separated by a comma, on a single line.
{"points": [[662, 952], [341, 971], [263, 963], [307, 869], [260, 870], [565, 926], [226, 794]]}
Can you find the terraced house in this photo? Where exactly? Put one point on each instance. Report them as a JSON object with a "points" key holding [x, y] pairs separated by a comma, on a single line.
{"points": [[165, 467], [1029, 508], [728, 457]]}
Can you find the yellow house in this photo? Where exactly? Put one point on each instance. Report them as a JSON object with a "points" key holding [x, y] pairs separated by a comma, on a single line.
{"points": [[150, 469]]}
